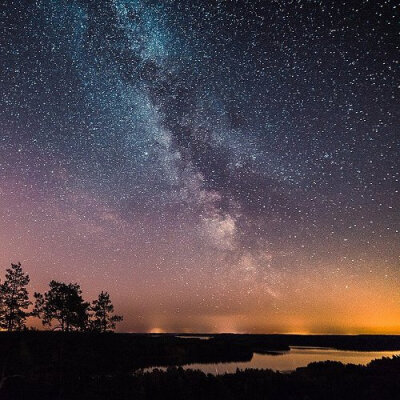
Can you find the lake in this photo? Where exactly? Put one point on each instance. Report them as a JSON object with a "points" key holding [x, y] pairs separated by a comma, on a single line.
{"points": [[288, 361]]}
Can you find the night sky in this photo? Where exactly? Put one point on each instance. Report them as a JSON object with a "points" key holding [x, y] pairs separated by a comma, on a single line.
{"points": [[216, 166]]}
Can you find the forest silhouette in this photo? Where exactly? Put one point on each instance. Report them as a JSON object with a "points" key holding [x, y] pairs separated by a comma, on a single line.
{"points": [[62, 307]]}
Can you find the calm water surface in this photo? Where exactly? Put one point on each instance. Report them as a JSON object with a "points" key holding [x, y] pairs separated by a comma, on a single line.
{"points": [[296, 357]]}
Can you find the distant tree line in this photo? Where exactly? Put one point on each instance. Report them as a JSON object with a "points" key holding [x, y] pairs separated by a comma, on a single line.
{"points": [[62, 307]]}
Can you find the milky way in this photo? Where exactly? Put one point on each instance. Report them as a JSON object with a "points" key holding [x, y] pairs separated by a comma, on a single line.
{"points": [[215, 165]]}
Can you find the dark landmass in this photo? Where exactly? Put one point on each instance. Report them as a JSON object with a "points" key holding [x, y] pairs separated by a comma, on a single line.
{"points": [[50, 365], [340, 342]]}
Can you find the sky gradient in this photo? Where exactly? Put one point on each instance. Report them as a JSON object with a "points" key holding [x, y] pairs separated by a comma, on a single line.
{"points": [[219, 166]]}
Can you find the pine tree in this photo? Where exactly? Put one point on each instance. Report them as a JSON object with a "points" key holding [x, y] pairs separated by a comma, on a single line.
{"points": [[102, 318], [63, 303], [14, 299]]}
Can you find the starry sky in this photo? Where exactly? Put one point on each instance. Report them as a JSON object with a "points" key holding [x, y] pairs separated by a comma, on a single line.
{"points": [[216, 166]]}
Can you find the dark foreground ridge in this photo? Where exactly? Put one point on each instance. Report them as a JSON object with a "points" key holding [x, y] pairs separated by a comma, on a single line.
{"points": [[55, 365]]}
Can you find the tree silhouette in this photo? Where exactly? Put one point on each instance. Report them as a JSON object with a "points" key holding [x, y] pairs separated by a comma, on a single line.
{"points": [[63, 303], [14, 299], [102, 318]]}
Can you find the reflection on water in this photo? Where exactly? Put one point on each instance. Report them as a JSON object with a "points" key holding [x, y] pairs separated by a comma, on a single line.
{"points": [[193, 337], [296, 357]]}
